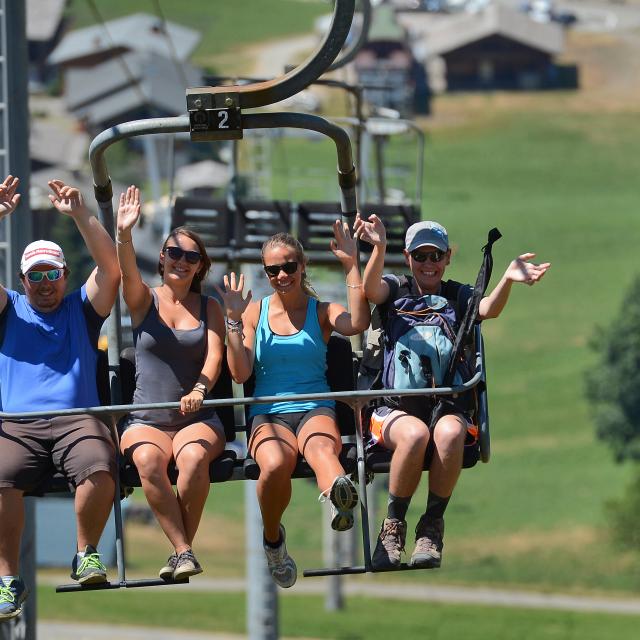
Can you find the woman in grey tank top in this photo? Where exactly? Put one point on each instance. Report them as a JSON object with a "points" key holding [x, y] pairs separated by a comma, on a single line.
{"points": [[179, 339]]}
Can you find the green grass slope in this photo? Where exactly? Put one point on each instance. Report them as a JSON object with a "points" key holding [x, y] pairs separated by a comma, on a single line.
{"points": [[305, 616]]}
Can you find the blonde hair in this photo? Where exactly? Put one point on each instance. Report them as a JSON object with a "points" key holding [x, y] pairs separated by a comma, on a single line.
{"points": [[287, 240]]}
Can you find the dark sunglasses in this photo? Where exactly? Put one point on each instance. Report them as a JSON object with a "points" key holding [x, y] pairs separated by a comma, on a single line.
{"points": [[175, 253], [432, 256], [273, 270], [38, 276]]}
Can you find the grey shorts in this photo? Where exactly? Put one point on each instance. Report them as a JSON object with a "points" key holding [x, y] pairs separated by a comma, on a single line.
{"points": [[130, 421], [292, 421], [76, 446]]}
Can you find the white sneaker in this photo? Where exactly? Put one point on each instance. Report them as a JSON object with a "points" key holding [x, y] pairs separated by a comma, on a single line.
{"points": [[343, 496], [283, 569]]}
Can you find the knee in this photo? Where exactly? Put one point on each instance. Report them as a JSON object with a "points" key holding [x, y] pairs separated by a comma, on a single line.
{"points": [[450, 432], [150, 464], [321, 448], [192, 459], [414, 435], [276, 468]]}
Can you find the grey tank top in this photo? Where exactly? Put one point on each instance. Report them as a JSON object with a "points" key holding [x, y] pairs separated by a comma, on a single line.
{"points": [[168, 364]]}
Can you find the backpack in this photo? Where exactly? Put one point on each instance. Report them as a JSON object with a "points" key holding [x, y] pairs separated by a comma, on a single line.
{"points": [[419, 332], [410, 344]]}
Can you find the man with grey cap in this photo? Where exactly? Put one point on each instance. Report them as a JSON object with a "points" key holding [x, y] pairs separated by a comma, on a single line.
{"points": [[48, 359], [401, 425]]}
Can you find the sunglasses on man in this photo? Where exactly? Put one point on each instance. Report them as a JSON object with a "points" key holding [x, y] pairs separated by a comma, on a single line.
{"points": [[272, 270], [175, 253], [38, 276], [432, 256]]}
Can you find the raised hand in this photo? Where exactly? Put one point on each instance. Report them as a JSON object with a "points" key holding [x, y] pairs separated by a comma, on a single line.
{"points": [[344, 246], [371, 230], [233, 301], [521, 270], [9, 199], [67, 200], [128, 209]]}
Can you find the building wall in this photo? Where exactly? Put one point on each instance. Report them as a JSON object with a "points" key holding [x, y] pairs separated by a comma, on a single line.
{"points": [[497, 63]]}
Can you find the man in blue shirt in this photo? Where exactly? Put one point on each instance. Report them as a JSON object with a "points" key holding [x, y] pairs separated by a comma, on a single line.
{"points": [[48, 359]]}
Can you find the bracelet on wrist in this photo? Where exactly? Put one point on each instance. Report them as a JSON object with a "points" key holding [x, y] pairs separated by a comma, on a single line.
{"points": [[353, 286], [202, 388], [233, 323], [123, 241]]}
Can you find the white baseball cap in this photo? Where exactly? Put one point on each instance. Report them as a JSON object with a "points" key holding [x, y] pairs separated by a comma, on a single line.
{"points": [[42, 252]]}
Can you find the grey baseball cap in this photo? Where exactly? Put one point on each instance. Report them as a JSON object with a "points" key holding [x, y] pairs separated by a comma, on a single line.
{"points": [[426, 233]]}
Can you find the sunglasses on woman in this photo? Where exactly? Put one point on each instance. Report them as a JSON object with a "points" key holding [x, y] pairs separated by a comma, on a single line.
{"points": [[432, 256], [38, 276], [175, 253], [273, 270]]}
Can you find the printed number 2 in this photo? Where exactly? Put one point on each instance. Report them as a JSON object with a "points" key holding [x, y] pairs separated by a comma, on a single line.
{"points": [[223, 116]]}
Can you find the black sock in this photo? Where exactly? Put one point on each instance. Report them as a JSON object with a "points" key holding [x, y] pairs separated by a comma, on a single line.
{"points": [[397, 507], [273, 545], [436, 506]]}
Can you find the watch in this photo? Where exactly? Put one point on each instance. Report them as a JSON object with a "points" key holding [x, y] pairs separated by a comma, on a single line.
{"points": [[199, 386]]}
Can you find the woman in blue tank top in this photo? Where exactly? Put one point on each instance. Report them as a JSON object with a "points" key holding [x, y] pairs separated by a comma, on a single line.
{"points": [[283, 340], [179, 339]]}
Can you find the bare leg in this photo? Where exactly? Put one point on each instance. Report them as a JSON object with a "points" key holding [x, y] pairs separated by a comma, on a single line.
{"points": [[275, 450], [93, 502], [194, 448], [408, 438], [151, 451], [320, 444], [11, 527], [448, 438]]}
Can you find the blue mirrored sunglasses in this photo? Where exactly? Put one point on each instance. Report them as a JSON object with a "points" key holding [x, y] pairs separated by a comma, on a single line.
{"points": [[38, 276]]}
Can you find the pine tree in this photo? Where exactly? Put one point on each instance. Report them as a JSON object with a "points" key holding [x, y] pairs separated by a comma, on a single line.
{"points": [[613, 384]]}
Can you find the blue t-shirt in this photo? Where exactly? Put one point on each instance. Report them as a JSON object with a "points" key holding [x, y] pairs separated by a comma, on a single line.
{"points": [[48, 360]]}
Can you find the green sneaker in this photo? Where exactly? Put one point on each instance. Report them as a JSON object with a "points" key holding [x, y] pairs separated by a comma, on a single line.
{"points": [[89, 568], [12, 594]]}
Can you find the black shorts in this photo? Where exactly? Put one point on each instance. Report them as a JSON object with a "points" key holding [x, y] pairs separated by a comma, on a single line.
{"points": [[291, 421]]}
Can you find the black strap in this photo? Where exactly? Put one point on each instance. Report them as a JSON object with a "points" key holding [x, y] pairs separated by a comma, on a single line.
{"points": [[471, 314]]}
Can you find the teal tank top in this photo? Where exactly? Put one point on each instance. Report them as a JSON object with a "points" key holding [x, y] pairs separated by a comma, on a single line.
{"points": [[290, 364]]}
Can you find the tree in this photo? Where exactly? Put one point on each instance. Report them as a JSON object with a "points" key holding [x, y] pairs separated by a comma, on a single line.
{"points": [[613, 384]]}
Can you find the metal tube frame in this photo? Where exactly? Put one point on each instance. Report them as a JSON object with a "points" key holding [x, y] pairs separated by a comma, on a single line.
{"points": [[355, 399]]}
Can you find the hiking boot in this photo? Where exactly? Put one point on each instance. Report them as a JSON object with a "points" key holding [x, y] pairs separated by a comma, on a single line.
{"points": [[166, 573], [186, 566], [12, 594], [391, 539], [344, 498], [428, 551], [281, 565], [88, 569]]}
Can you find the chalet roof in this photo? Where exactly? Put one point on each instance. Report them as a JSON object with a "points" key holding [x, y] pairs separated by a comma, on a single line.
{"points": [[438, 34], [103, 92], [140, 32], [43, 18], [52, 143]]}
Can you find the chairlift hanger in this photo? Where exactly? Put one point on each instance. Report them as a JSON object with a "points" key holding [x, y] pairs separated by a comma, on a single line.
{"points": [[230, 100], [356, 400]]}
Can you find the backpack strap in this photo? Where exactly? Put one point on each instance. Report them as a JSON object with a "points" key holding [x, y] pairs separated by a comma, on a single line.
{"points": [[468, 321]]}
